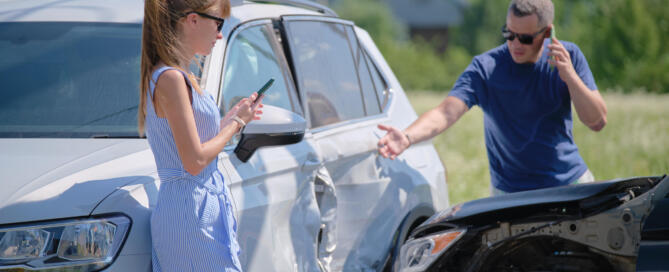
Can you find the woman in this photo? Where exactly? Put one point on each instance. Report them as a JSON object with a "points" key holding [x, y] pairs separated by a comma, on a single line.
{"points": [[192, 226]]}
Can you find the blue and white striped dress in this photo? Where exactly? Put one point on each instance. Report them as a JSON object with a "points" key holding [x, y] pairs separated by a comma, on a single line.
{"points": [[192, 226]]}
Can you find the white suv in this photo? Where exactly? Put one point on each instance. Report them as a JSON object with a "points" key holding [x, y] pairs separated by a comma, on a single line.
{"points": [[310, 191]]}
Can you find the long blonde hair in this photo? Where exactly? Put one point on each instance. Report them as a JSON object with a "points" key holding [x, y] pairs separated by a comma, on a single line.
{"points": [[160, 42]]}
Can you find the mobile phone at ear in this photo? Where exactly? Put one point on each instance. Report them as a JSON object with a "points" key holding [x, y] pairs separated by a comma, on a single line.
{"points": [[264, 88], [552, 37]]}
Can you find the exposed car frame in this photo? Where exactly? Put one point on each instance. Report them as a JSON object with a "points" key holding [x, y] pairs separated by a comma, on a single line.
{"points": [[604, 226]]}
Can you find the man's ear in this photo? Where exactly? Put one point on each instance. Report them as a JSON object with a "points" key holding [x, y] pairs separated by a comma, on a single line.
{"points": [[547, 34]]}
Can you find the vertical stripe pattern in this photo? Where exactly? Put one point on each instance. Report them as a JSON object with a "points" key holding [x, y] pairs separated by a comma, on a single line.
{"points": [[192, 226]]}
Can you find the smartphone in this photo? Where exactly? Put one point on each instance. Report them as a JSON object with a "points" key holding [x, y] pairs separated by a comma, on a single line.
{"points": [[552, 37], [264, 88]]}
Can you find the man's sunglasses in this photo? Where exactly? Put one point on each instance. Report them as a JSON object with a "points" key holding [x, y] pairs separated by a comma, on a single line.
{"points": [[219, 20], [522, 38]]}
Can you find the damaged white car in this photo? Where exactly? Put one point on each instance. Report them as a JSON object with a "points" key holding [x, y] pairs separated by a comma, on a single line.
{"points": [[310, 191]]}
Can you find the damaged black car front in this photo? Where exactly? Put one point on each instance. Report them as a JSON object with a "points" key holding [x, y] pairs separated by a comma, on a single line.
{"points": [[617, 225]]}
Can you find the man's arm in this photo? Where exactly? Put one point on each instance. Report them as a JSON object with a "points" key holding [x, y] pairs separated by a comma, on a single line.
{"points": [[428, 125], [589, 104], [436, 120]]}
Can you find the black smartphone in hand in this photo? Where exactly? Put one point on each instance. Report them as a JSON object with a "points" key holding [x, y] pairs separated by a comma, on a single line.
{"points": [[264, 88]]}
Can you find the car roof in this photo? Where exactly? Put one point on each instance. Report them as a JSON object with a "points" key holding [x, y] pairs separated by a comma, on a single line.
{"points": [[251, 11], [120, 11]]}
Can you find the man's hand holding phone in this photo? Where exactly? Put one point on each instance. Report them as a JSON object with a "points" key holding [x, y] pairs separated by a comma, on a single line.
{"points": [[560, 58], [551, 42]]}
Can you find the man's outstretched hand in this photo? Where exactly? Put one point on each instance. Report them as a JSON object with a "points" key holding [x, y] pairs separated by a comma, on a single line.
{"points": [[393, 143]]}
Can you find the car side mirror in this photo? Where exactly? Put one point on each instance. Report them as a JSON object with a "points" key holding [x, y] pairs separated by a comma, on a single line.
{"points": [[277, 126]]}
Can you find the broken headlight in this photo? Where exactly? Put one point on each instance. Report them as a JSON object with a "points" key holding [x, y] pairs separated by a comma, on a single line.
{"points": [[419, 254]]}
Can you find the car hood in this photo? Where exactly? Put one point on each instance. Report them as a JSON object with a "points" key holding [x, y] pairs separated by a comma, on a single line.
{"points": [[57, 178], [524, 204]]}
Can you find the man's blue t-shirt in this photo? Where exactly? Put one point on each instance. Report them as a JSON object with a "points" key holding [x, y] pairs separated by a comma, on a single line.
{"points": [[527, 118]]}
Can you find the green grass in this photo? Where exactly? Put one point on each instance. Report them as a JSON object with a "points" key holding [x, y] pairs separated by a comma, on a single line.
{"points": [[635, 142]]}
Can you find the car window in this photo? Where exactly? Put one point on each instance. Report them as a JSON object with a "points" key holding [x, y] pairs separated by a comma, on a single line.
{"points": [[253, 58], [371, 101], [196, 65], [69, 79], [379, 83], [325, 71]]}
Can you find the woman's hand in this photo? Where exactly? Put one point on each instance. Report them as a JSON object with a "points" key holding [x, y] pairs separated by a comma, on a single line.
{"points": [[246, 110], [250, 110]]}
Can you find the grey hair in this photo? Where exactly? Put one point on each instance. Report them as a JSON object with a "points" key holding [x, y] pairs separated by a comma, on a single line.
{"points": [[544, 10]]}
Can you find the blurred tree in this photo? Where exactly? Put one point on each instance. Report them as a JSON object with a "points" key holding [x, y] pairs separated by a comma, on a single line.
{"points": [[480, 30], [373, 16], [623, 40], [626, 41], [415, 63]]}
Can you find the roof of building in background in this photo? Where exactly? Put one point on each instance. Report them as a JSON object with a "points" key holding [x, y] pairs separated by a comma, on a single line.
{"points": [[428, 13]]}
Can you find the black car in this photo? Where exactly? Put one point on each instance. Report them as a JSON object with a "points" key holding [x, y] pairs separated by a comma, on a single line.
{"points": [[616, 225]]}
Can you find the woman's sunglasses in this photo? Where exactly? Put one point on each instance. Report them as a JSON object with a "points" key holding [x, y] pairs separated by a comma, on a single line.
{"points": [[219, 20], [522, 38]]}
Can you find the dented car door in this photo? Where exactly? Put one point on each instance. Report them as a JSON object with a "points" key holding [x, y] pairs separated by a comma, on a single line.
{"points": [[343, 110], [277, 215]]}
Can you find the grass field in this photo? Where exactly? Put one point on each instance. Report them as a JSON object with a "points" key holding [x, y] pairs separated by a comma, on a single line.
{"points": [[635, 142]]}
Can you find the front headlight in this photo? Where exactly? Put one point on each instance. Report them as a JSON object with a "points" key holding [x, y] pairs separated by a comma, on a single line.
{"points": [[419, 254], [74, 245]]}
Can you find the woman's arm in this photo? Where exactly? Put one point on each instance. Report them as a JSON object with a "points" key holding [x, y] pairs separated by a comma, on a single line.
{"points": [[172, 97]]}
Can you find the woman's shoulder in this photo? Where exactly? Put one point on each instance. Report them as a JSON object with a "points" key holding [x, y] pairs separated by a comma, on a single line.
{"points": [[161, 69], [171, 80], [171, 75]]}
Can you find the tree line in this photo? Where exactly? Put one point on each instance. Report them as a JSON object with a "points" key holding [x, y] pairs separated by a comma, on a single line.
{"points": [[623, 40]]}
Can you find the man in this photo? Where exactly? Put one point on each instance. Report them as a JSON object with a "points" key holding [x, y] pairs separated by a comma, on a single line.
{"points": [[526, 105]]}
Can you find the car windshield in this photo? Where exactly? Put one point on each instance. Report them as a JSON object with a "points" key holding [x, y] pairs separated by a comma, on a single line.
{"points": [[69, 79]]}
